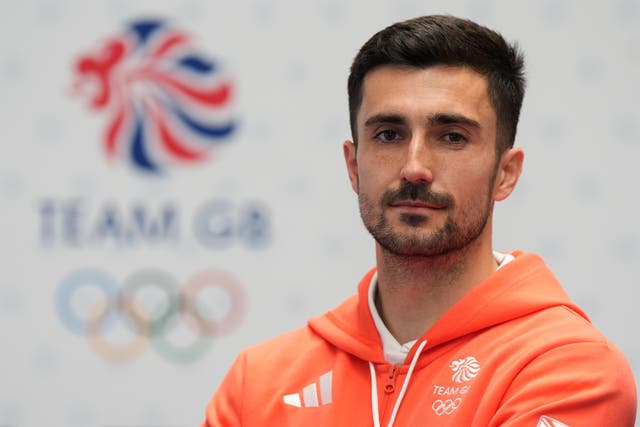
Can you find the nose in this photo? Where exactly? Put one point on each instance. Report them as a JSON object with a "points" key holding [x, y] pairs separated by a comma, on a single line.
{"points": [[417, 165]]}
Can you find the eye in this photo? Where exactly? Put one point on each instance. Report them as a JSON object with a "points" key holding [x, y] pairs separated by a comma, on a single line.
{"points": [[387, 135], [454, 138]]}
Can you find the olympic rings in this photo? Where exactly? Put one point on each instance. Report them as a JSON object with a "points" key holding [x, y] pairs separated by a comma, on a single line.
{"points": [[233, 289], [70, 286], [151, 322], [446, 407]]}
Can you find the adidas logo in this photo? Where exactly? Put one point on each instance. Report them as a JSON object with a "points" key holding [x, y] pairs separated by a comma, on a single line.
{"points": [[310, 394], [545, 421]]}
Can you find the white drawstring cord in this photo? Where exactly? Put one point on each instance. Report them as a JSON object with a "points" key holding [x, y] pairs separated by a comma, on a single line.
{"points": [[374, 396], [405, 384], [403, 390]]}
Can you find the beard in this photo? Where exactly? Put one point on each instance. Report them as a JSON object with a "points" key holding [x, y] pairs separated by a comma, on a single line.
{"points": [[414, 239]]}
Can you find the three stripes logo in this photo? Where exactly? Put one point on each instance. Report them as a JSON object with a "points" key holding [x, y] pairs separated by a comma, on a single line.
{"points": [[313, 395]]}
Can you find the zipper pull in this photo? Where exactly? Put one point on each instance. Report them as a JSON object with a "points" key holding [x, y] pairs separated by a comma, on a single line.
{"points": [[390, 386]]}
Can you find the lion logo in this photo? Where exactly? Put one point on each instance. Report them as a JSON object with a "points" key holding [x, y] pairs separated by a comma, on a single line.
{"points": [[465, 369]]}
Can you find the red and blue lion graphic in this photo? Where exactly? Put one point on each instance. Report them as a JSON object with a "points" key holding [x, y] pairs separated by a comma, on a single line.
{"points": [[166, 102]]}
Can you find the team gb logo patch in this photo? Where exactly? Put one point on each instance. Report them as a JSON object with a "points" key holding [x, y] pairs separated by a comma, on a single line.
{"points": [[465, 369]]}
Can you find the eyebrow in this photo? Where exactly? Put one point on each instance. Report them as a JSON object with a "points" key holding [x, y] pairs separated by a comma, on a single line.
{"points": [[436, 119], [395, 119], [448, 118]]}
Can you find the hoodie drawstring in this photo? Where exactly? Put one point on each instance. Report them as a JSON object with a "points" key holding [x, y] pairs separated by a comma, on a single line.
{"points": [[403, 390]]}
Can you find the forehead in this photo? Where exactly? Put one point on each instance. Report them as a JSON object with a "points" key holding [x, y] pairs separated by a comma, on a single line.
{"points": [[424, 92]]}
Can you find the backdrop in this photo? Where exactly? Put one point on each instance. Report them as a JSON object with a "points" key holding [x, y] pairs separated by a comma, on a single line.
{"points": [[173, 190]]}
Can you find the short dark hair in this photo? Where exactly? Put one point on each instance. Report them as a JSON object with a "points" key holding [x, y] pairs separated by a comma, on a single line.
{"points": [[446, 40]]}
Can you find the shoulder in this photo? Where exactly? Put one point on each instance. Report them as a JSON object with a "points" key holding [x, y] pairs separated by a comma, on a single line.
{"points": [[569, 369], [285, 350], [539, 331], [580, 383]]}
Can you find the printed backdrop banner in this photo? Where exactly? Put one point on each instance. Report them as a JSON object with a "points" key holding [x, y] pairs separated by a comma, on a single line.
{"points": [[173, 189]]}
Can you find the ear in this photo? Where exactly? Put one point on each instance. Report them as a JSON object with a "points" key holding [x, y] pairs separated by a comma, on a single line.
{"points": [[509, 171], [350, 158]]}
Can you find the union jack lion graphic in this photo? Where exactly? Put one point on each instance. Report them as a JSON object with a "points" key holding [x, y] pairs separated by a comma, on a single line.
{"points": [[465, 369], [166, 102]]}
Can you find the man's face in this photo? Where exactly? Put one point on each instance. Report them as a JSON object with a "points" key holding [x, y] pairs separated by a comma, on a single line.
{"points": [[425, 166]]}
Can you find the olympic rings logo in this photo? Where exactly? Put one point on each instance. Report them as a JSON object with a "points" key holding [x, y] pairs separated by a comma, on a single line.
{"points": [[152, 306], [446, 407]]}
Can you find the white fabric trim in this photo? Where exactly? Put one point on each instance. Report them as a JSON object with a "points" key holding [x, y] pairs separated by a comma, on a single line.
{"points": [[502, 259], [394, 352]]}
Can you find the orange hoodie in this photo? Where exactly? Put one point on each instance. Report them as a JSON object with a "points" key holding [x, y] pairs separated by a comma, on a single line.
{"points": [[515, 351]]}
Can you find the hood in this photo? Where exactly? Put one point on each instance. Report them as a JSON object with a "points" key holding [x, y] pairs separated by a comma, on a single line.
{"points": [[523, 286]]}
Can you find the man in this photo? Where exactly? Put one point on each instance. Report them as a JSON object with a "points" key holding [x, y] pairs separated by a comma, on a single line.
{"points": [[444, 331]]}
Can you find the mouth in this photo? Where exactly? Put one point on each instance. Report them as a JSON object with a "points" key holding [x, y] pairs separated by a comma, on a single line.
{"points": [[416, 205]]}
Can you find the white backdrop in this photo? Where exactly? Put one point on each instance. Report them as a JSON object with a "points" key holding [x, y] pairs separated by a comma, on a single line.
{"points": [[65, 204]]}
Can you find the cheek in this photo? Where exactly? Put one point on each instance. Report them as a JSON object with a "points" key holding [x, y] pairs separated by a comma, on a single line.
{"points": [[373, 176], [471, 185], [367, 183]]}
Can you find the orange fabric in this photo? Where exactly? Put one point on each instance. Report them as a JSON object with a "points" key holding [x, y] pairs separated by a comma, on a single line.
{"points": [[513, 352]]}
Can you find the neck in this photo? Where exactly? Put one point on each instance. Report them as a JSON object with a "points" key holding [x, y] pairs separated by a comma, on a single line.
{"points": [[415, 291]]}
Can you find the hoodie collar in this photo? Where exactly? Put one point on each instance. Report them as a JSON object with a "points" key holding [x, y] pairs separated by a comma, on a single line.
{"points": [[521, 287], [394, 351]]}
